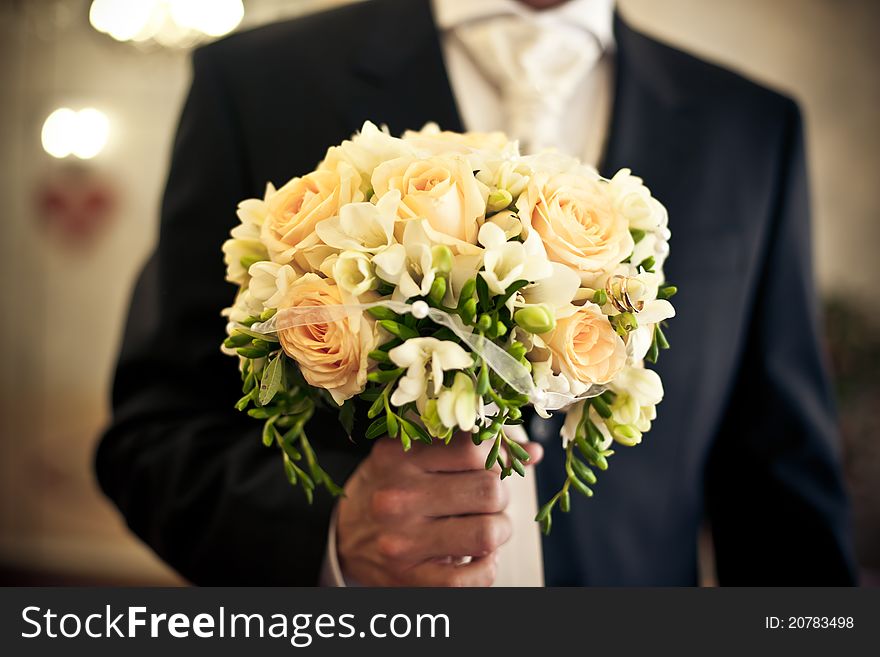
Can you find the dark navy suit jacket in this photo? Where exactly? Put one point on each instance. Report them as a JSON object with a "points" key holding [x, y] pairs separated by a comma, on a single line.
{"points": [[746, 436]]}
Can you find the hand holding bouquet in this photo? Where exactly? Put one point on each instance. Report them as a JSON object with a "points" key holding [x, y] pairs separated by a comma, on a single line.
{"points": [[450, 282]]}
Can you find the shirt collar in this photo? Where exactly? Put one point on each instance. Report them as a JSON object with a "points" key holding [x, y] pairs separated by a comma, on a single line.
{"points": [[594, 16]]}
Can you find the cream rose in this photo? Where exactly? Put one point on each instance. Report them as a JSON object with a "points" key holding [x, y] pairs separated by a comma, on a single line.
{"points": [[577, 221], [331, 355], [431, 138], [585, 347], [296, 208], [441, 189]]}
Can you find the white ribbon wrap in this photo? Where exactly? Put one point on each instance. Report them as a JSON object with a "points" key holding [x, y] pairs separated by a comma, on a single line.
{"points": [[503, 364]]}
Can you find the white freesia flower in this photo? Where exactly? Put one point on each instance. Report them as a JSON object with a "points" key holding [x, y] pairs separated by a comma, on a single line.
{"points": [[245, 306], [269, 282], [352, 271], [638, 391], [464, 267], [408, 266], [362, 226], [507, 221], [510, 174], [244, 245], [457, 406], [546, 380], [573, 416], [252, 211], [366, 150], [506, 262], [556, 291], [634, 201], [639, 341], [240, 251], [425, 359]]}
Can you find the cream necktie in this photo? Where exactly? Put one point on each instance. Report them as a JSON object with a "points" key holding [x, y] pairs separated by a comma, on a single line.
{"points": [[536, 66]]}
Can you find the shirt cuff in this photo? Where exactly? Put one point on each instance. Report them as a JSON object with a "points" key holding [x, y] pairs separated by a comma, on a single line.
{"points": [[331, 573]]}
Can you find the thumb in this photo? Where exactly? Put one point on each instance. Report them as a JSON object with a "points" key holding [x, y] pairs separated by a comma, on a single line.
{"points": [[536, 452]]}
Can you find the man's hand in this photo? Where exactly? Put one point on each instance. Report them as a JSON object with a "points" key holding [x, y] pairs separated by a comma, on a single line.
{"points": [[407, 519]]}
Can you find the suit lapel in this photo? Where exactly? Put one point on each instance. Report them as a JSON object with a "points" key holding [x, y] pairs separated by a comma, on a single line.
{"points": [[398, 74]]}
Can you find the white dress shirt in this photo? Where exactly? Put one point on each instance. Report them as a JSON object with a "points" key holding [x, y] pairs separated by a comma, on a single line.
{"points": [[585, 128]]}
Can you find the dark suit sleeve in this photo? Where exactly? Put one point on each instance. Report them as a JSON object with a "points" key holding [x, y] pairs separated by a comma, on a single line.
{"points": [[188, 472], [775, 492]]}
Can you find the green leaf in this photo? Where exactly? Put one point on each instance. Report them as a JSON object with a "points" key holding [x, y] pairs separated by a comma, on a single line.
{"points": [[371, 394], [637, 235], [256, 336], [653, 351], [405, 440], [381, 312], [392, 424], [385, 376], [512, 289], [346, 416], [647, 264], [242, 403], [398, 330], [662, 342], [379, 356], [377, 429], [416, 431], [270, 384], [376, 408], [666, 292], [483, 293]]}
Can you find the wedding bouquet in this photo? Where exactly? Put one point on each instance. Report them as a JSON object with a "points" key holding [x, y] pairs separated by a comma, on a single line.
{"points": [[450, 282]]}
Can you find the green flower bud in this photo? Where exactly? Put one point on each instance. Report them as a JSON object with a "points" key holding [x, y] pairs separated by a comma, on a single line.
{"points": [[438, 291], [467, 291], [441, 258], [626, 434], [431, 418], [469, 310], [498, 200], [535, 319], [485, 323]]}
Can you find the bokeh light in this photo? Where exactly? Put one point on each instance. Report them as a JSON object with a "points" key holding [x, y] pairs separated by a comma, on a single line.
{"points": [[82, 134], [170, 23]]}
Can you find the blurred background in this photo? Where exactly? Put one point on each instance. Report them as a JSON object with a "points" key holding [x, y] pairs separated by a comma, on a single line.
{"points": [[91, 91]]}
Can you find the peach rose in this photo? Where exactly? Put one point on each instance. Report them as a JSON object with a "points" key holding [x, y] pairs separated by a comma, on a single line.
{"points": [[296, 208], [331, 355], [577, 221], [585, 347], [441, 189]]}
